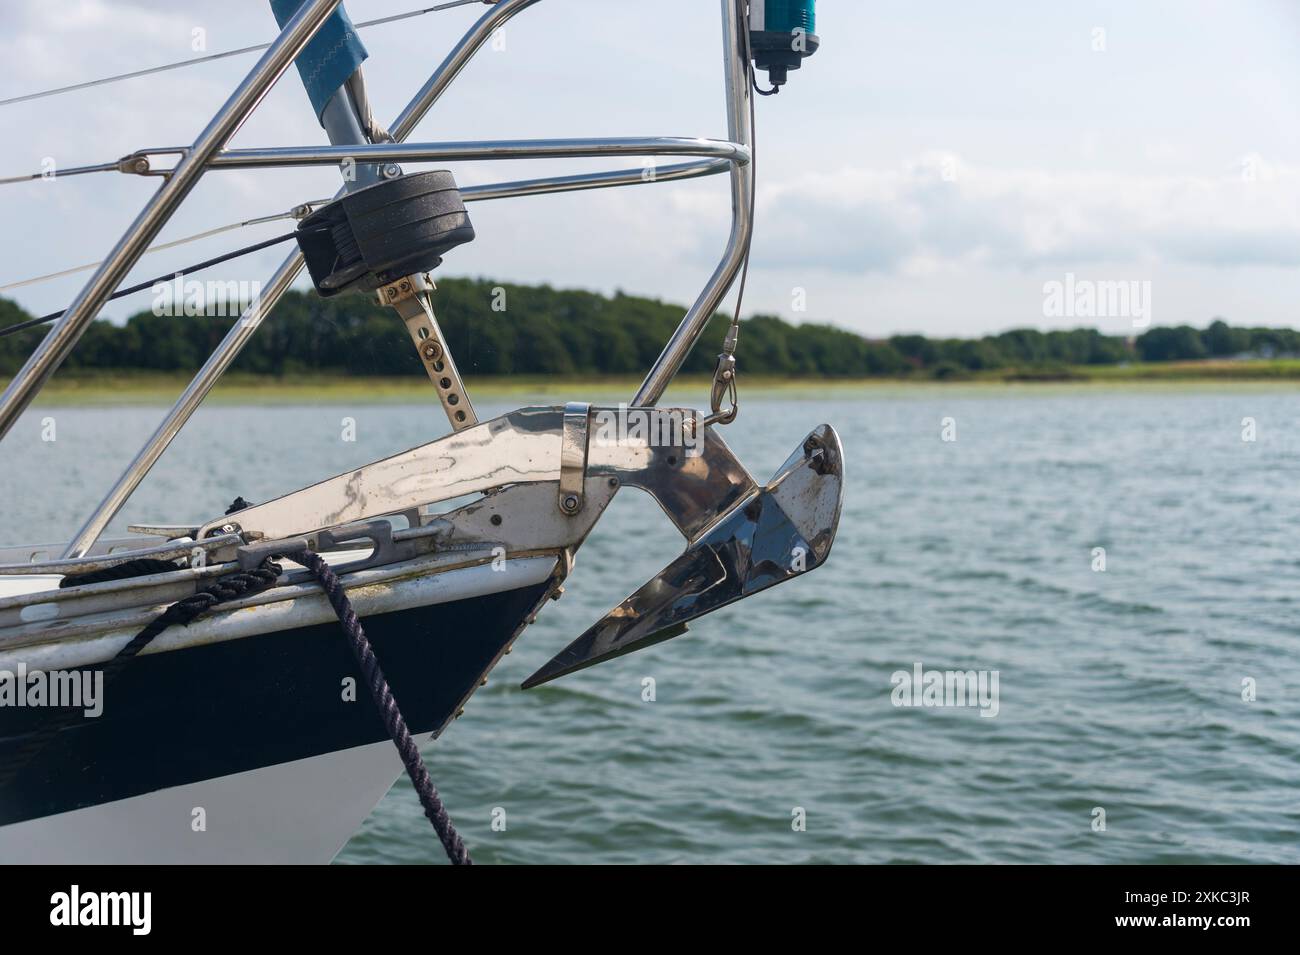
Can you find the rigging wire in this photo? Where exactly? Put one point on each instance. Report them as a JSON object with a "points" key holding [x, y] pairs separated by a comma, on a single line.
{"points": [[298, 212], [167, 277], [26, 97], [72, 171]]}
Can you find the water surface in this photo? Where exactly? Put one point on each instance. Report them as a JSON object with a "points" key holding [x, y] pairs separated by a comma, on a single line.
{"points": [[1119, 689]]}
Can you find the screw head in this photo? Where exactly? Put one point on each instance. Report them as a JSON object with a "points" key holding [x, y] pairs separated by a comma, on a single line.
{"points": [[431, 351], [570, 503]]}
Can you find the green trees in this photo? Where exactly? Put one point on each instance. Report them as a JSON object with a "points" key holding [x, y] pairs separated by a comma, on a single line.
{"points": [[1223, 341], [1171, 344], [502, 329]]}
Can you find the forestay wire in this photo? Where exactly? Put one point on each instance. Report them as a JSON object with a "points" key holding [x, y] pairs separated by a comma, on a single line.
{"points": [[87, 84]]}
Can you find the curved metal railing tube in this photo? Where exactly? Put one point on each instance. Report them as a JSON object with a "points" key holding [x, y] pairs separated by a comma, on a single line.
{"points": [[594, 180], [736, 69], [718, 156], [476, 151], [85, 307], [275, 287]]}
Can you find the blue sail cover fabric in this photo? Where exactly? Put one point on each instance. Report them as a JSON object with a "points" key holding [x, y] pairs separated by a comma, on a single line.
{"points": [[330, 57]]}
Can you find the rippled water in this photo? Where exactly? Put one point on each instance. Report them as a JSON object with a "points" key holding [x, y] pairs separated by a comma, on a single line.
{"points": [[1119, 689]]}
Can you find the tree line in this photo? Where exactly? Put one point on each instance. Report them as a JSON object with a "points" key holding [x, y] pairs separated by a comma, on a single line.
{"points": [[497, 329]]}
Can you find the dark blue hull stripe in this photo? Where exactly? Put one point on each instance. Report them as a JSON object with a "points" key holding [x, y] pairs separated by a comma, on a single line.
{"points": [[207, 711]]}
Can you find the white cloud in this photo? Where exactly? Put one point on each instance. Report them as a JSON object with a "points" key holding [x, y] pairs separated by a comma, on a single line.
{"points": [[940, 210]]}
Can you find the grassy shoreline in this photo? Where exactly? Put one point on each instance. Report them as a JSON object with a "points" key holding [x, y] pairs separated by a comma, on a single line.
{"points": [[130, 387]]}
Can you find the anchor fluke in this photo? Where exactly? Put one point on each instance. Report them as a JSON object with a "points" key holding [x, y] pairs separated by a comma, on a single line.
{"points": [[777, 532]]}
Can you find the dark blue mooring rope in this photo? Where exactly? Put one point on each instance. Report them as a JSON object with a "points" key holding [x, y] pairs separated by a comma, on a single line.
{"points": [[383, 697]]}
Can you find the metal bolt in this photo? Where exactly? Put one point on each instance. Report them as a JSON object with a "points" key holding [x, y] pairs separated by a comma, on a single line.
{"points": [[390, 170], [570, 503], [431, 351]]}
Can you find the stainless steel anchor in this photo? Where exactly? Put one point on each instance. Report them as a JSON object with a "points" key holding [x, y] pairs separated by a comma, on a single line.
{"points": [[773, 534]]}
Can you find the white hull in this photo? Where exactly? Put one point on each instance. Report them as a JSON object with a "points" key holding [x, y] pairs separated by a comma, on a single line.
{"points": [[298, 813]]}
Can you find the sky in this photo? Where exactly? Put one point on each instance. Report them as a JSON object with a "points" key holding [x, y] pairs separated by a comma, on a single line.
{"points": [[935, 167]]}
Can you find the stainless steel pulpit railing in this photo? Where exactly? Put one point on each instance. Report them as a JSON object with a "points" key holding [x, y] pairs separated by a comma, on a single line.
{"points": [[209, 152]]}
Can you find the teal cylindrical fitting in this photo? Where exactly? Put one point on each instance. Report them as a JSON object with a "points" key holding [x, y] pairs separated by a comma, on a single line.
{"points": [[783, 16], [781, 34]]}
